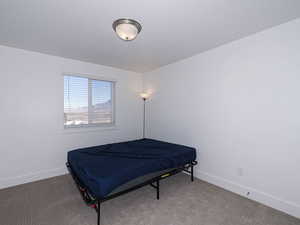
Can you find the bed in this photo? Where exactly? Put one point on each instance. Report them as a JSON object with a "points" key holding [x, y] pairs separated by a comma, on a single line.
{"points": [[107, 171]]}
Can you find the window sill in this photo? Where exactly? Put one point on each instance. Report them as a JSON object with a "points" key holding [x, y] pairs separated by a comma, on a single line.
{"points": [[88, 129]]}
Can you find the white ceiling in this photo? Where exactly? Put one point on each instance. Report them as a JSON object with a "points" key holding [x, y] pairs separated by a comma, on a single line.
{"points": [[172, 29]]}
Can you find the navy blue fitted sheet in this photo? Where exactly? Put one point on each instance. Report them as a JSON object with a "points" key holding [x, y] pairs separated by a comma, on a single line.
{"points": [[103, 168]]}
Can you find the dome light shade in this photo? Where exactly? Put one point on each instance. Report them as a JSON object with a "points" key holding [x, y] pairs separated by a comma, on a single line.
{"points": [[127, 29]]}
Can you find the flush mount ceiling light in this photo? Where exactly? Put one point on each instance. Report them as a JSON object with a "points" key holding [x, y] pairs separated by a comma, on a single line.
{"points": [[127, 29]]}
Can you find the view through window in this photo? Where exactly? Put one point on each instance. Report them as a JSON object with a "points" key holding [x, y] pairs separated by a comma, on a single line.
{"points": [[87, 102]]}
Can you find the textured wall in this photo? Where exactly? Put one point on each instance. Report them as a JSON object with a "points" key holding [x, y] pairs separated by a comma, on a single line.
{"points": [[239, 105], [33, 140]]}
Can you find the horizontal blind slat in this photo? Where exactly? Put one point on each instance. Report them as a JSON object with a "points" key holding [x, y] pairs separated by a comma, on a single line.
{"points": [[77, 110]]}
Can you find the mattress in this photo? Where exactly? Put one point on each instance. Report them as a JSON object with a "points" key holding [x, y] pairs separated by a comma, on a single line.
{"points": [[102, 169]]}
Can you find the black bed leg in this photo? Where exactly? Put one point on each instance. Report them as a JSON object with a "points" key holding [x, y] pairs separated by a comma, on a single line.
{"points": [[98, 213], [157, 189], [192, 172]]}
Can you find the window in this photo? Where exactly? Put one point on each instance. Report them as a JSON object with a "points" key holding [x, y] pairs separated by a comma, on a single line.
{"points": [[88, 102]]}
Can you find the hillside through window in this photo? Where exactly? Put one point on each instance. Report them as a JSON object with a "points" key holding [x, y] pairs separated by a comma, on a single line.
{"points": [[87, 102]]}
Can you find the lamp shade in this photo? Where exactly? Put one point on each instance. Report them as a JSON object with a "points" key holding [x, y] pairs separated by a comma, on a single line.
{"points": [[127, 29], [144, 95]]}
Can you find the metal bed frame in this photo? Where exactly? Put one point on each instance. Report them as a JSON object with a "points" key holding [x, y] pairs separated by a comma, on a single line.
{"points": [[95, 203]]}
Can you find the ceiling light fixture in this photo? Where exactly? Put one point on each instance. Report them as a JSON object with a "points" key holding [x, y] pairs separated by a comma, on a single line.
{"points": [[127, 29]]}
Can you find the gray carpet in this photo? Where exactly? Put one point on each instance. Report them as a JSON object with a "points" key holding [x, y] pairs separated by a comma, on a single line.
{"points": [[56, 201]]}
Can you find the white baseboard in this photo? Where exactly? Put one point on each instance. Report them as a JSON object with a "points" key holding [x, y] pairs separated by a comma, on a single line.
{"points": [[256, 195], [9, 182], [264, 198]]}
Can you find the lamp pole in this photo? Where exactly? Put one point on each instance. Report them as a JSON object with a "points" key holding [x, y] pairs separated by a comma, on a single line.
{"points": [[144, 117], [144, 96]]}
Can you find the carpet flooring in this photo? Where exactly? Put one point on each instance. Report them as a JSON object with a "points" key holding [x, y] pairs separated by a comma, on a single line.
{"points": [[56, 201]]}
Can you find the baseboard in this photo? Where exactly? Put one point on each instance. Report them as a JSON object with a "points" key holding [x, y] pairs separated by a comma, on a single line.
{"points": [[9, 182], [261, 197], [264, 198]]}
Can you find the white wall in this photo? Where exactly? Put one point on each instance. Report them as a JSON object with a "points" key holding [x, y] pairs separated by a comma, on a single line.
{"points": [[239, 106], [33, 142]]}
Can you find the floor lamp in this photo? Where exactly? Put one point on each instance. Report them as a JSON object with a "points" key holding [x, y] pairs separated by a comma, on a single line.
{"points": [[144, 97]]}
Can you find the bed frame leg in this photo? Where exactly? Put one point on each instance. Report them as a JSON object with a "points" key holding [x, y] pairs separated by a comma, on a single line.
{"points": [[192, 172], [98, 213], [157, 189]]}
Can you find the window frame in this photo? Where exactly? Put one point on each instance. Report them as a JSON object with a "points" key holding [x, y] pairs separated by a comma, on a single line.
{"points": [[113, 99]]}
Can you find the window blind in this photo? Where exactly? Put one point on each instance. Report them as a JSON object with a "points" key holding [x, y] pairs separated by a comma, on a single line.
{"points": [[87, 101]]}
